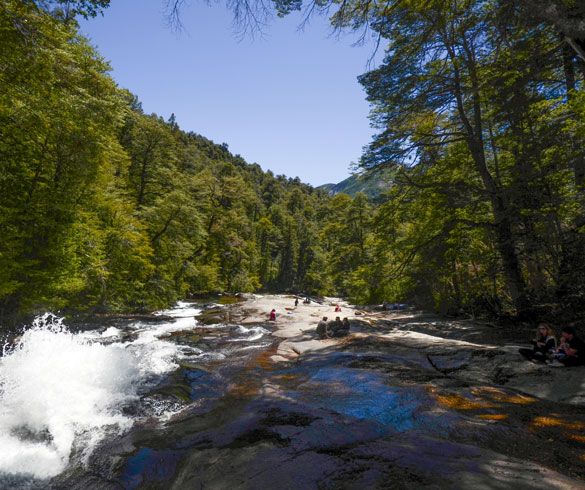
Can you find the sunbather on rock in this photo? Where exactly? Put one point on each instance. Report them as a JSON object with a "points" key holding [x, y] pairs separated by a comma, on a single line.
{"points": [[543, 345]]}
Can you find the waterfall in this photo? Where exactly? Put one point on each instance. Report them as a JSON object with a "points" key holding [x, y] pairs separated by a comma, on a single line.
{"points": [[61, 392]]}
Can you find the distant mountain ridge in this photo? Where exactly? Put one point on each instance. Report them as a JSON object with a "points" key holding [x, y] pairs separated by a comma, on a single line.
{"points": [[372, 185]]}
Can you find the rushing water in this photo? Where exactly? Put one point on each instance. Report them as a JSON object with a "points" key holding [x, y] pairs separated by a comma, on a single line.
{"points": [[63, 392]]}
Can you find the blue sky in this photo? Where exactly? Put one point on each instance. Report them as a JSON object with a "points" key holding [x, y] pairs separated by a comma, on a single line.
{"points": [[287, 100]]}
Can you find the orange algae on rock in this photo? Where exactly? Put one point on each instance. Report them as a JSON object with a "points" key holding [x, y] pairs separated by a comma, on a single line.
{"points": [[501, 396], [555, 422], [494, 416], [458, 402]]}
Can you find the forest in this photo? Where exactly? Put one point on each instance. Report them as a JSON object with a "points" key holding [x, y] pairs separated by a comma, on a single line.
{"points": [[479, 108]]}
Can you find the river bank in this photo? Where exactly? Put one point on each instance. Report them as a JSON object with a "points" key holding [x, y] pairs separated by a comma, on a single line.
{"points": [[466, 348]]}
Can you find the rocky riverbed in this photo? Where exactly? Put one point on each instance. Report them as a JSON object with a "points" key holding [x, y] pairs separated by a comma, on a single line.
{"points": [[407, 400]]}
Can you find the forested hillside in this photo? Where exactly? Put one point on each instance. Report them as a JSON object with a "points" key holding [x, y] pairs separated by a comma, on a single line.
{"points": [[371, 184], [481, 112]]}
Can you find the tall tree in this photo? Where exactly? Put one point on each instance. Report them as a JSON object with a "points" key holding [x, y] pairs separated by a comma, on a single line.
{"points": [[431, 92], [59, 112]]}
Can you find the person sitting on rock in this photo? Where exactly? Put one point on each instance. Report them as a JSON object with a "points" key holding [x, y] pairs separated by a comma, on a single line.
{"points": [[344, 329], [273, 315], [339, 328], [571, 351], [334, 326], [337, 308], [543, 345], [322, 329]]}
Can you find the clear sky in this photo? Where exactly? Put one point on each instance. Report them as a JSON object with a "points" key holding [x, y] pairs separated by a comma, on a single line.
{"points": [[288, 100]]}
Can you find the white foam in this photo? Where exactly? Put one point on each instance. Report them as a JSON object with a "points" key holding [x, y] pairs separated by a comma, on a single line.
{"points": [[252, 347], [60, 390], [181, 309], [111, 332], [254, 333]]}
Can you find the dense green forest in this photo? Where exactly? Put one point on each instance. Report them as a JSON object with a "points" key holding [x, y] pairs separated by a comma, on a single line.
{"points": [[481, 115]]}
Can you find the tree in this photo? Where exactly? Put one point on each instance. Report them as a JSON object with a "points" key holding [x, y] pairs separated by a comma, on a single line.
{"points": [[566, 16], [226, 202], [431, 92], [59, 113], [151, 148]]}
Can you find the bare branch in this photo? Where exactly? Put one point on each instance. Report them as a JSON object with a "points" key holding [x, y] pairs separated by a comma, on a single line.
{"points": [[173, 10]]}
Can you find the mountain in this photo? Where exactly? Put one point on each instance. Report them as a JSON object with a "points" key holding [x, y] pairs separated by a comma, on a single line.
{"points": [[372, 185]]}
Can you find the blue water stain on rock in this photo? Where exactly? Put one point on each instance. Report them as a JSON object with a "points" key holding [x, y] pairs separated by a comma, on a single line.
{"points": [[192, 373], [149, 465], [365, 395]]}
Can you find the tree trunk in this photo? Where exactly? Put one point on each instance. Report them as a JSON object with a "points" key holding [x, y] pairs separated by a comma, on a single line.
{"points": [[473, 125]]}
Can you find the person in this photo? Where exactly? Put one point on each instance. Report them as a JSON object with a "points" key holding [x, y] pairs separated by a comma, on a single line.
{"points": [[296, 302], [344, 330], [571, 351], [273, 315], [322, 329], [337, 308], [543, 345], [339, 328], [334, 326]]}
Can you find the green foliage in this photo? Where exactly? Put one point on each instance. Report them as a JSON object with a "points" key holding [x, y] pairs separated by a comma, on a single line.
{"points": [[58, 112], [285, 7], [69, 9]]}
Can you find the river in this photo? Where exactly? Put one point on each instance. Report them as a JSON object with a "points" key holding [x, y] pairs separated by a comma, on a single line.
{"points": [[177, 403], [64, 392]]}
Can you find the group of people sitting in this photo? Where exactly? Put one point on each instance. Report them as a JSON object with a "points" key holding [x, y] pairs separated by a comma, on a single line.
{"points": [[570, 351], [335, 328]]}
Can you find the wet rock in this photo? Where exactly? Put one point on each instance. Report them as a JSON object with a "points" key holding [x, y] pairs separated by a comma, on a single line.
{"points": [[177, 391], [175, 386], [449, 364], [35, 436], [213, 316], [193, 367], [230, 299]]}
